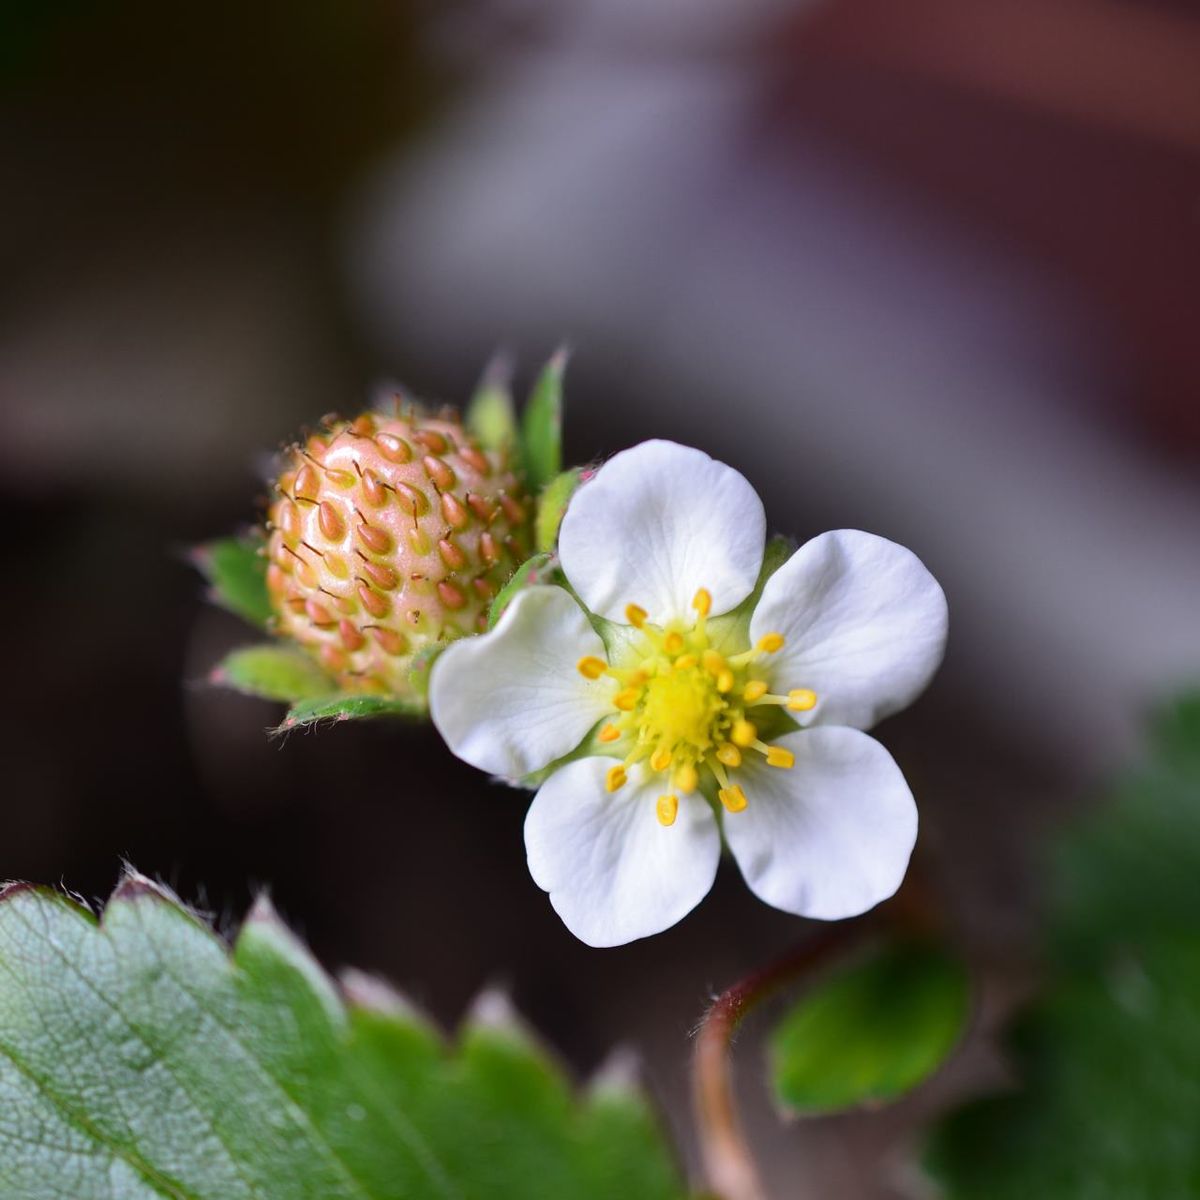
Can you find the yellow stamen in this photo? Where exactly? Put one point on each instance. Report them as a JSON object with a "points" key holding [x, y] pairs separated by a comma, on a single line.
{"points": [[684, 708], [733, 798], [719, 772], [801, 700], [743, 733], [687, 778], [729, 754]]}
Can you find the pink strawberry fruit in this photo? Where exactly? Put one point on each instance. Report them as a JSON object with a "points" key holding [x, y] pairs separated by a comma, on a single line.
{"points": [[387, 536]]}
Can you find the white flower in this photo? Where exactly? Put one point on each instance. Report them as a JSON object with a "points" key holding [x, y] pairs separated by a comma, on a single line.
{"points": [[670, 724]]}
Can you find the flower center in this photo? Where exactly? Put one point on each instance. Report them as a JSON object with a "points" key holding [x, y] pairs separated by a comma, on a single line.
{"points": [[684, 710], [680, 709]]}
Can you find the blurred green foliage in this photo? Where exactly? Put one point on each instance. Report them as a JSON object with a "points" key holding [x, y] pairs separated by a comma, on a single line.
{"points": [[1107, 1104]]}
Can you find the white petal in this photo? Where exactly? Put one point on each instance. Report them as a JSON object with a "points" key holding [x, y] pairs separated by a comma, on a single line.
{"points": [[831, 837], [865, 625], [512, 700], [613, 872], [657, 523]]}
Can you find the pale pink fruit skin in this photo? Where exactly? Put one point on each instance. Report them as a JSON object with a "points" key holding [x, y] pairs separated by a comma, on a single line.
{"points": [[389, 534]]}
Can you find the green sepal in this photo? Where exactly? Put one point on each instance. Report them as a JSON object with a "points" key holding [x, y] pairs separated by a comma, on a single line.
{"points": [[272, 672], [733, 628], [541, 425], [552, 507], [236, 570], [422, 664], [533, 570], [350, 707], [491, 417], [142, 1057], [870, 1031]]}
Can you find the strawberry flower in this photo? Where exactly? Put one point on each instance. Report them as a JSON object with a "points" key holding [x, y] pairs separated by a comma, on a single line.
{"points": [[672, 700]]}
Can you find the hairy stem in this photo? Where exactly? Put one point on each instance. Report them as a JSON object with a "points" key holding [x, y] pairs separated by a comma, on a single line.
{"points": [[728, 1161]]}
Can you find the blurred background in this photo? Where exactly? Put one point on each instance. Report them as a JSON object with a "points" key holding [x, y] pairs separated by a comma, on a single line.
{"points": [[926, 269]]}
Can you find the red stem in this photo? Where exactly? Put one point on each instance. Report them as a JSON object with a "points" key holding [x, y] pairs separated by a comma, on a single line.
{"points": [[728, 1161]]}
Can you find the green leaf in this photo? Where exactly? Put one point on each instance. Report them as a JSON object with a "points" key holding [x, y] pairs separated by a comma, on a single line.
{"points": [[541, 426], [1107, 1057], [274, 672], [491, 418], [1132, 867], [140, 1057], [532, 570], [352, 706], [870, 1031], [1107, 1106], [552, 507], [237, 576]]}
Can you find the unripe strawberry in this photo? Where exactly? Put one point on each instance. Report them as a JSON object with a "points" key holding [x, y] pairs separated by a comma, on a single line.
{"points": [[388, 535]]}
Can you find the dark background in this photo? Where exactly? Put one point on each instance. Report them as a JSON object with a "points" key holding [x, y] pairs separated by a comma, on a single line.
{"points": [[926, 269]]}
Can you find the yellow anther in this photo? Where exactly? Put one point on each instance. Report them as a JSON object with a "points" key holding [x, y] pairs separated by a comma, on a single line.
{"points": [[687, 778], [743, 733], [591, 667], [673, 642], [729, 754], [777, 756], [725, 681], [685, 662], [702, 602], [609, 733], [616, 777], [626, 699], [714, 664], [769, 643], [801, 700], [733, 798], [660, 760], [755, 690], [636, 615], [667, 809]]}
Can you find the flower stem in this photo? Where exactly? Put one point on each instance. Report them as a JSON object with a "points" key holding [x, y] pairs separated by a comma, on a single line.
{"points": [[728, 1162]]}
